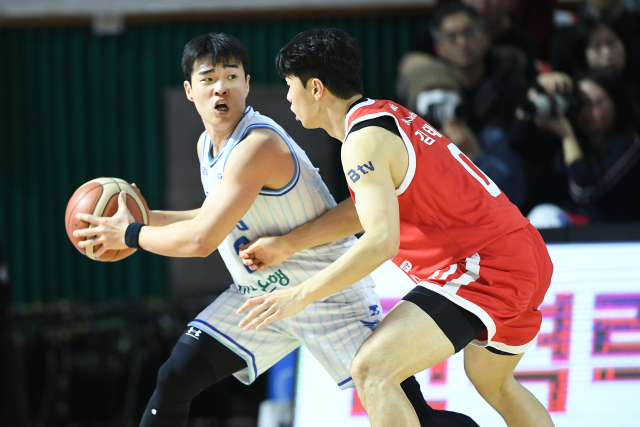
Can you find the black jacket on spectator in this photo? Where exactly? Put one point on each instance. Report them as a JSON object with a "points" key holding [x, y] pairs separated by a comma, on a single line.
{"points": [[493, 101], [489, 109], [544, 170], [609, 189]]}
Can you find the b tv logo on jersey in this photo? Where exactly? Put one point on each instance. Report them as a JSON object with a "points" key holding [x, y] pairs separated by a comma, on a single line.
{"points": [[355, 176]]}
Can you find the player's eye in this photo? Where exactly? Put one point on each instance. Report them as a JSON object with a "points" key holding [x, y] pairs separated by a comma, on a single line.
{"points": [[232, 77], [208, 79]]}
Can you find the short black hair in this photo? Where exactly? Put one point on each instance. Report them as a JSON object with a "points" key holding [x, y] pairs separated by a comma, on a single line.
{"points": [[218, 48], [453, 8], [328, 54]]}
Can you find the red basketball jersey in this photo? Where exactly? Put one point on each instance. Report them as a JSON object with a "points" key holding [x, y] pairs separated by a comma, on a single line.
{"points": [[449, 209]]}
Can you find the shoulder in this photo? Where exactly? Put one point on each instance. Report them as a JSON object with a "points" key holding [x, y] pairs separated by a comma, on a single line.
{"points": [[263, 139], [371, 140], [200, 144], [261, 144]]}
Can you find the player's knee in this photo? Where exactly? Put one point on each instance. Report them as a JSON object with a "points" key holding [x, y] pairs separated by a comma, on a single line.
{"points": [[361, 367], [172, 379], [367, 368]]}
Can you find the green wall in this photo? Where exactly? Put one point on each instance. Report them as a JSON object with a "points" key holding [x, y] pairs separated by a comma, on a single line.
{"points": [[74, 107]]}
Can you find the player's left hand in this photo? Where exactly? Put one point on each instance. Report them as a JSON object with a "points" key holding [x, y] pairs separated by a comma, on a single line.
{"points": [[107, 232], [269, 307]]}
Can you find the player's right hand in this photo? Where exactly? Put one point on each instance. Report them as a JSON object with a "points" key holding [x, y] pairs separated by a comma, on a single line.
{"points": [[265, 252]]}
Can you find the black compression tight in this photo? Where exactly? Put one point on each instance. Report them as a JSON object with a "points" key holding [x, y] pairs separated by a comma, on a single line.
{"points": [[196, 364]]}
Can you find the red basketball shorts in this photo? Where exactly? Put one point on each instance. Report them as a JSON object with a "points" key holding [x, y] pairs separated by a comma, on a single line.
{"points": [[503, 284]]}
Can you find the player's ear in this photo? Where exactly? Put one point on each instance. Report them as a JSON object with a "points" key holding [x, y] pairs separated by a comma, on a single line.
{"points": [[248, 78], [187, 90], [317, 88]]}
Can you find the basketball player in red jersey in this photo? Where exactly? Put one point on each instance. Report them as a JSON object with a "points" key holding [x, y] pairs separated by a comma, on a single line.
{"points": [[480, 268]]}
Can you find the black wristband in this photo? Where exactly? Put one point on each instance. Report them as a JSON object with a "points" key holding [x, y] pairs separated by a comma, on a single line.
{"points": [[132, 234]]}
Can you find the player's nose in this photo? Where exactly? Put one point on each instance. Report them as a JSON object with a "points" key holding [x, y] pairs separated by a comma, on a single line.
{"points": [[220, 89]]}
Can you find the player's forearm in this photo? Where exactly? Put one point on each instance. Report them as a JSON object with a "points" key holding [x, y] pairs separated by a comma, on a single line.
{"points": [[162, 218], [181, 239], [335, 224], [367, 254]]}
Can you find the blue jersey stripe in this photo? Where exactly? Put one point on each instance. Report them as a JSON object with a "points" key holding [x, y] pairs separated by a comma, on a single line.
{"points": [[253, 358], [344, 382]]}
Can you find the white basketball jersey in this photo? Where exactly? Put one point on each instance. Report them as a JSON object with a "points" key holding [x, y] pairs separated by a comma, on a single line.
{"points": [[274, 213]]}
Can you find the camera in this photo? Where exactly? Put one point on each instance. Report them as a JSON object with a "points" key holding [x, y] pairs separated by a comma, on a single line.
{"points": [[438, 106], [541, 105]]}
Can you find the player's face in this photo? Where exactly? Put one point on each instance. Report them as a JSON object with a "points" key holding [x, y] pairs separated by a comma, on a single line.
{"points": [[462, 42], [303, 102], [219, 92]]}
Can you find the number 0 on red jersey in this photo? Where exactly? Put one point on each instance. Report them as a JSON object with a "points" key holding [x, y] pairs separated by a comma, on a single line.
{"points": [[456, 230]]}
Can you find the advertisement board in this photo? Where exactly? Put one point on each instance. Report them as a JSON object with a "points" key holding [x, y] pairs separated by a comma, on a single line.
{"points": [[584, 366]]}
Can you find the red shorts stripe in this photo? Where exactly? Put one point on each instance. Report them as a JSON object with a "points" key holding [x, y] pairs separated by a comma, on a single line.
{"points": [[503, 284]]}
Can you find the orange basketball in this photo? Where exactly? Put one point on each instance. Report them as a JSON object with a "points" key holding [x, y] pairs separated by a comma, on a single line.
{"points": [[99, 197]]}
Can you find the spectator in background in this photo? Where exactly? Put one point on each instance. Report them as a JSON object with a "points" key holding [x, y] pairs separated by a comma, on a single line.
{"points": [[507, 36], [598, 47], [567, 45], [600, 149], [470, 94], [491, 86]]}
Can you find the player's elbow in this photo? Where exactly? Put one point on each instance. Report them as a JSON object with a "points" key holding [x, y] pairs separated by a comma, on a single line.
{"points": [[201, 251], [201, 246], [391, 248], [385, 245]]}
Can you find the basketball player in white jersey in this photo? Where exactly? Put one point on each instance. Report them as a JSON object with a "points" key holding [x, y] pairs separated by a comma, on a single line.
{"points": [[257, 182]]}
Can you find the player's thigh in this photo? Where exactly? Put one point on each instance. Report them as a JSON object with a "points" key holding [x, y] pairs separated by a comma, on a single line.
{"points": [[488, 370], [260, 349], [407, 341], [334, 329]]}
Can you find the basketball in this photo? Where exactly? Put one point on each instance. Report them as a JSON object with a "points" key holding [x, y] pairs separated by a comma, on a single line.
{"points": [[99, 197]]}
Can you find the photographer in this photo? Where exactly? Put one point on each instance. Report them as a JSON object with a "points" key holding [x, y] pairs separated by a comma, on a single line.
{"points": [[600, 146], [470, 94]]}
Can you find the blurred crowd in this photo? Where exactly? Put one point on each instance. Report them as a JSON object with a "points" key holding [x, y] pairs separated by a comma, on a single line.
{"points": [[543, 100]]}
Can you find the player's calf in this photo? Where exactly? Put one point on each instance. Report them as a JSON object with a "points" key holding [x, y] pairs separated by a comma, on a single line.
{"points": [[194, 365], [492, 375]]}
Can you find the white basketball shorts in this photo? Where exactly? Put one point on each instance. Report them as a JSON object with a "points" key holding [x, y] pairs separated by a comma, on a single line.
{"points": [[332, 330]]}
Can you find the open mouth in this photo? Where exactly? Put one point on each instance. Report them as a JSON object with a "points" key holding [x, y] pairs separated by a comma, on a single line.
{"points": [[222, 107]]}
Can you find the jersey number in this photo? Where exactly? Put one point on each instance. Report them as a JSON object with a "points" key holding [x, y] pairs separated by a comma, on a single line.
{"points": [[483, 179], [240, 243]]}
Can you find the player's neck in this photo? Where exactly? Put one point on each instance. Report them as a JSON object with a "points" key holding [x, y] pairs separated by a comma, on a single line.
{"points": [[219, 134], [336, 110]]}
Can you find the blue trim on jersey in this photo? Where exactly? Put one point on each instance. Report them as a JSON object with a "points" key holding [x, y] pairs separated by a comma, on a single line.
{"points": [[344, 382], [212, 162], [204, 144], [296, 175], [253, 358]]}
